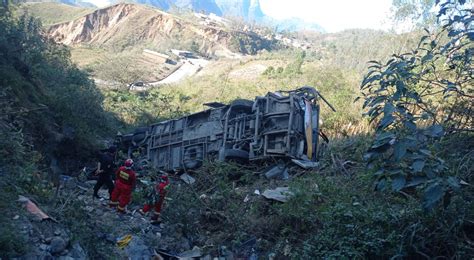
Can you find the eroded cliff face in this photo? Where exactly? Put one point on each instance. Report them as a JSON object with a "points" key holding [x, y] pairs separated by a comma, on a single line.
{"points": [[105, 25], [129, 24]]}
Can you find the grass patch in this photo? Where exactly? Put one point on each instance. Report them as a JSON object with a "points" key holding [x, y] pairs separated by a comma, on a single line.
{"points": [[52, 13]]}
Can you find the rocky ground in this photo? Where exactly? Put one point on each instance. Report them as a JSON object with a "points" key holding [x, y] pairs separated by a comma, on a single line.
{"points": [[203, 217], [51, 238]]}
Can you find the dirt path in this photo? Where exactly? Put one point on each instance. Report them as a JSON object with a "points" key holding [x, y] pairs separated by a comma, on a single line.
{"points": [[189, 68]]}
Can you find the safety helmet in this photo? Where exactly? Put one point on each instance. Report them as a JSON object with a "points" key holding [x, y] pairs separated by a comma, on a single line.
{"points": [[128, 163]]}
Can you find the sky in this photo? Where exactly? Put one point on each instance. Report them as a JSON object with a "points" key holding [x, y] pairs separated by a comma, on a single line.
{"points": [[333, 15]]}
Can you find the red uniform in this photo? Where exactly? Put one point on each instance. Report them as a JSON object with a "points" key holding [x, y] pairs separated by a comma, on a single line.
{"points": [[158, 198], [124, 183]]}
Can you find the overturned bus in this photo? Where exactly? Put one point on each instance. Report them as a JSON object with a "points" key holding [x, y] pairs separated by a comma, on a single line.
{"points": [[283, 124]]}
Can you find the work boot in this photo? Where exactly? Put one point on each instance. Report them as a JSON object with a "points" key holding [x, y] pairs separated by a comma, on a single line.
{"points": [[121, 210], [155, 219], [113, 204]]}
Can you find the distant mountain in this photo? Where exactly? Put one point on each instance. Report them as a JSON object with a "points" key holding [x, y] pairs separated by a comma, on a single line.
{"points": [[295, 24], [249, 10]]}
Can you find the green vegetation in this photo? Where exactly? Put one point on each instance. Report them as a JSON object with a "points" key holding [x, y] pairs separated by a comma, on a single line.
{"points": [[418, 98], [397, 183], [413, 198], [49, 109], [52, 13], [334, 213]]}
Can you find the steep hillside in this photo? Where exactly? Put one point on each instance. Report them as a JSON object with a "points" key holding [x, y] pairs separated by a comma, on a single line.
{"points": [[51, 13], [125, 25]]}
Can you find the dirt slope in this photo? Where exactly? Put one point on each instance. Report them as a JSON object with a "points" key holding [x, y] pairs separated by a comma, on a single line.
{"points": [[124, 25]]}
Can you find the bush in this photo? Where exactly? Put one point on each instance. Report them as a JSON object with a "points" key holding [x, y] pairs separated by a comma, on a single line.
{"points": [[417, 98]]}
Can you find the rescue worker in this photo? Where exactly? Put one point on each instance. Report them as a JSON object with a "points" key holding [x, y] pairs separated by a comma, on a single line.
{"points": [[105, 170], [125, 180], [156, 198]]}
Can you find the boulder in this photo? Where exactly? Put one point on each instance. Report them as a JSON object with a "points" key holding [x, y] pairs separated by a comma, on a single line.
{"points": [[58, 244]]}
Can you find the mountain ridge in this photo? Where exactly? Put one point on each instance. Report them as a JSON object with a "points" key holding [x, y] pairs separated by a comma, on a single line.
{"points": [[248, 10], [125, 24]]}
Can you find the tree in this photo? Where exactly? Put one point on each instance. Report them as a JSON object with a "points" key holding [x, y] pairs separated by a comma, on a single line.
{"points": [[419, 12], [417, 98]]}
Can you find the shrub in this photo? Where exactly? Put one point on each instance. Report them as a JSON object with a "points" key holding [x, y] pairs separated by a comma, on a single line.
{"points": [[417, 98]]}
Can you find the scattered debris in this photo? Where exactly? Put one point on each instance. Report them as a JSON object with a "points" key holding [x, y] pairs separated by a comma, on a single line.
{"points": [[246, 250], [122, 242], [16, 217], [257, 192], [281, 194], [277, 172], [165, 255], [247, 198], [89, 208], [187, 178], [67, 181], [305, 164], [137, 249], [195, 252], [32, 208]]}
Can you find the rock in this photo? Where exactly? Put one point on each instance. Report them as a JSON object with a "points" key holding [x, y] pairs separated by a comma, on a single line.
{"points": [[89, 208], [57, 232], [187, 178], [158, 234], [137, 249], [57, 245], [206, 257], [227, 254], [277, 172], [48, 240], [77, 252], [185, 245], [271, 256], [67, 181], [281, 194], [44, 247], [90, 183], [16, 217], [110, 238], [65, 252], [36, 255], [195, 252]]}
